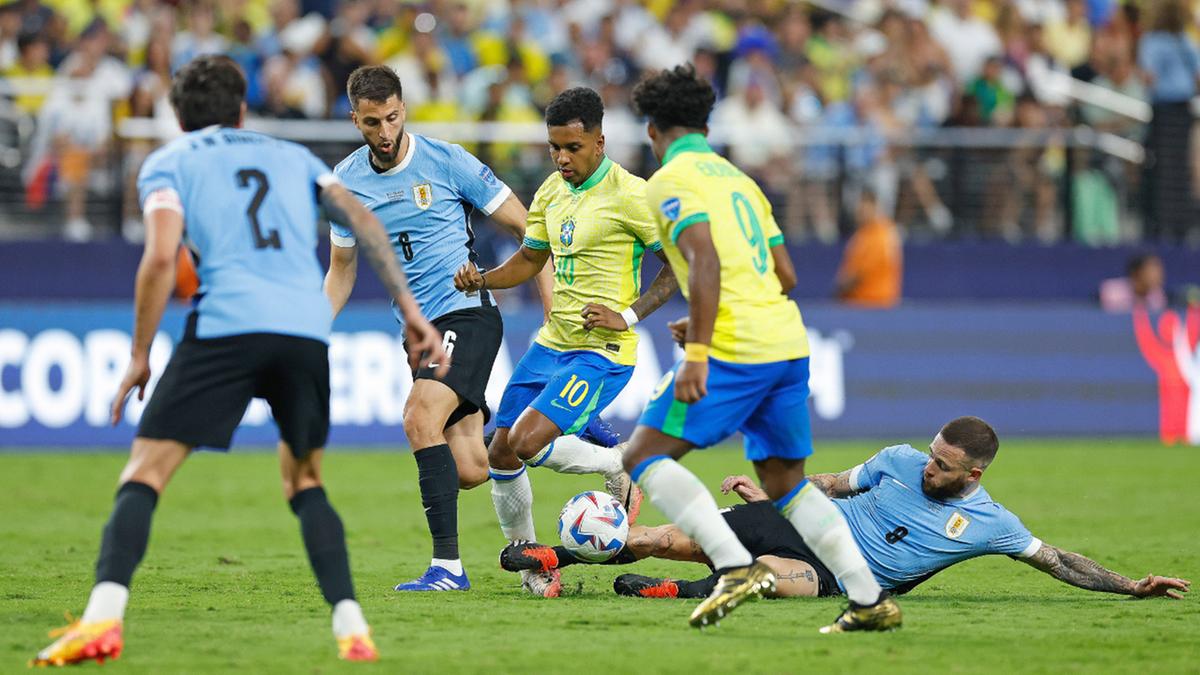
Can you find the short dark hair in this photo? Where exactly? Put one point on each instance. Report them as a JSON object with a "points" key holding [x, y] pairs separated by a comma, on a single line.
{"points": [[974, 437], [675, 98], [373, 83], [208, 90], [579, 103]]}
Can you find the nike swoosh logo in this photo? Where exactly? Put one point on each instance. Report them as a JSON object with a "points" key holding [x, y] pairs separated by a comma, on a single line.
{"points": [[560, 407]]}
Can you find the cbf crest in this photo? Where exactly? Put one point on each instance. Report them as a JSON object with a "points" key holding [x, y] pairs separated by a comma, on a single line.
{"points": [[566, 232], [423, 195]]}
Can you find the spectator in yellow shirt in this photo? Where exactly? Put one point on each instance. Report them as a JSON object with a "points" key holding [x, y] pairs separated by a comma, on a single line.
{"points": [[31, 69], [872, 265]]}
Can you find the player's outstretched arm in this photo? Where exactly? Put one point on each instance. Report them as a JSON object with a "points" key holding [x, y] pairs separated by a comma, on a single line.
{"points": [[704, 293], [664, 286], [511, 216], [519, 268], [834, 485], [1087, 574], [339, 280], [423, 341], [155, 279], [745, 488]]}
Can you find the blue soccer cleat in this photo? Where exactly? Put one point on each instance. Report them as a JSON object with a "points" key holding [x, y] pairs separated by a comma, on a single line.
{"points": [[437, 579], [600, 432]]}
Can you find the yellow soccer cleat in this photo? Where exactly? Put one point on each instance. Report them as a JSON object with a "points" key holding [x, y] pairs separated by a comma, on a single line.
{"points": [[735, 587], [80, 641], [357, 648], [884, 615]]}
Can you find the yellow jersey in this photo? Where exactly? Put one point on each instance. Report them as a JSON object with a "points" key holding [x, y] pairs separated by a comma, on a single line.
{"points": [[597, 234], [756, 322]]}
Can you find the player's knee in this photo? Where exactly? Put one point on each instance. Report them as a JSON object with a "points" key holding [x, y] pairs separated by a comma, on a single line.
{"points": [[526, 443], [302, 477], [472, 475], [422, 427], [501, 456]]}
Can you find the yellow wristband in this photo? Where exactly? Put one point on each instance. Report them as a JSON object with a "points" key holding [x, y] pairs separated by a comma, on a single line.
{"points": [[695, 352]]}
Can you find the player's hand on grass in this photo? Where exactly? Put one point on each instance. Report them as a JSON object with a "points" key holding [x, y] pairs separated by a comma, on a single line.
{"points": [[424, 343], [691, 382], [1153, 586], [598, 316], [744, 487], [137, 375], [679, 330], [468, 279]]}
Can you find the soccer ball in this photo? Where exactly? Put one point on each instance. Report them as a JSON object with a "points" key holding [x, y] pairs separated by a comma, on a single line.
{"points": [[593, 526]]}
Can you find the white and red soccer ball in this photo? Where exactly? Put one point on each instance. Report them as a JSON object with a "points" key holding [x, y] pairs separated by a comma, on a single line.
{"points": [[593, 526]]}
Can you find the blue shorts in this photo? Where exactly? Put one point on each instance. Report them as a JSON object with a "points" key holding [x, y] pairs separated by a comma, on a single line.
{"points": [[767, 402], [567, 387]]}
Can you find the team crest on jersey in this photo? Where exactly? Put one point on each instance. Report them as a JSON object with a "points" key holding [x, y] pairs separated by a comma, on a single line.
{"points": [[956, 525], [423, 195], [566, 232], [486, 174], [670, 208]]}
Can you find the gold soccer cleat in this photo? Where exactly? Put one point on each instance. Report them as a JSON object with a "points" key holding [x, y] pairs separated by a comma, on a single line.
{"points": [[78, 642], [735, 587], [884, 615]]}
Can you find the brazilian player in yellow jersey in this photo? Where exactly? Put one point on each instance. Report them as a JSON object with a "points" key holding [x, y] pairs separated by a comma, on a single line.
{"points": [[745, 364], [591, 216]]}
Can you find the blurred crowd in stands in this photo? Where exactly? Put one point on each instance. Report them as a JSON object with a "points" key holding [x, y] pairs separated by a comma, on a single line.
{"points": [[859, 83]]}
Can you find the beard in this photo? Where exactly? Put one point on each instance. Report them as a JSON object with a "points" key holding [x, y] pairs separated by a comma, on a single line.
{"points": [[942, 492], [386, 157]]}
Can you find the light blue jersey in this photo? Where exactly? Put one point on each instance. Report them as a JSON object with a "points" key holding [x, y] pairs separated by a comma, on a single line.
{"points": [[906, 536], [425, 204], [250, 213]]}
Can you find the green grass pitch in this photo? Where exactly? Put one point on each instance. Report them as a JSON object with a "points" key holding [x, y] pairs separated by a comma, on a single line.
{"points": [[225, 586]]}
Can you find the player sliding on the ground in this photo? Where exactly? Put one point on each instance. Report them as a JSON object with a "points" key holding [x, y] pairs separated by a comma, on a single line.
{"points": [[912, 515], [424, 190], [260, 329], [591, 214], [745, 365]]}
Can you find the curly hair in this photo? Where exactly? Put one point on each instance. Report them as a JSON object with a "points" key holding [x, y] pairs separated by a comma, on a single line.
{"points": [[208, 90], [675, 98], [579, 103]]}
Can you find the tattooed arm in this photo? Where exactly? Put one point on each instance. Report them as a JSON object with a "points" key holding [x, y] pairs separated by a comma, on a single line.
{"points": [[1087, 574], [665, 285], [422, 340], [833, 484]]}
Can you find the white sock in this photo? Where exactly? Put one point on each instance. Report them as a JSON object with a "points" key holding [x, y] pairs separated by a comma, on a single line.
{"points": [[512, 496], [348, 619], [825, 531], [107, 601], [452, 566], [571, 454], [685, 501]]}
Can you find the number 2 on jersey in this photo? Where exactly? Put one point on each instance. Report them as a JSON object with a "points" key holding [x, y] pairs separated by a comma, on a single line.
{"points": [[261, 241], [751, 230]]}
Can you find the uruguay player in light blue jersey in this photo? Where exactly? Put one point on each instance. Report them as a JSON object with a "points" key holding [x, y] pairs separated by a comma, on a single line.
{"points": [[424, 191], [247, 206], [912, 514]]}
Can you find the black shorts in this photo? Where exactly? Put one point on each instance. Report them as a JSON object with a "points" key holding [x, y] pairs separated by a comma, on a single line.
{"points": [[472, 337], [763, 531], [208, 383]]}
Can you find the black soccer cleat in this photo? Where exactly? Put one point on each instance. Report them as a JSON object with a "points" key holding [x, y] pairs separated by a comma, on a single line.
{"points": [[638, 586], [528, 555]]}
